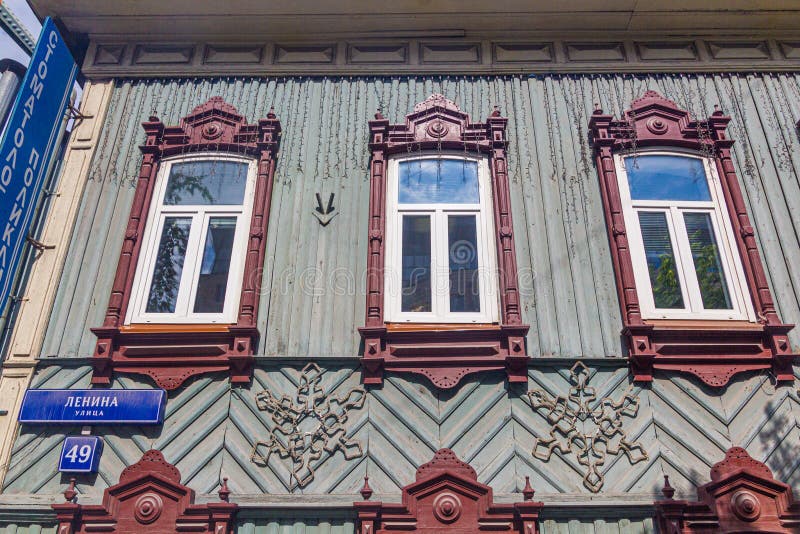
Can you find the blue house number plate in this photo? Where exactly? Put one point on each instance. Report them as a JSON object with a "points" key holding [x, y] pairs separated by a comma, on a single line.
{"points": [[80, 454]]}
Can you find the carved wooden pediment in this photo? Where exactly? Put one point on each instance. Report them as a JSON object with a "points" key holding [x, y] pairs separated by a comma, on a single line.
{"points": [[743, 496], [443, 355], [148, 498], [713, 352], [447, 497], [169, 354]]}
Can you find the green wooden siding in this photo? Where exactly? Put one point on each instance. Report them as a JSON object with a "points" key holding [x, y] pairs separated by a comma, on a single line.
{"points": [[313, 290]]}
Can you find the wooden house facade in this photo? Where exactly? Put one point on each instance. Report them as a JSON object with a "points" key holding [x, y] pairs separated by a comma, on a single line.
{"points": [[502, 272]]}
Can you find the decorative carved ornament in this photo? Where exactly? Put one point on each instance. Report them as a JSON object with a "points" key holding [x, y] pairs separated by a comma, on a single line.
{"points": [[148, 498], [742, 497], [170, 354], [447, 497], [308, 425], [712, 352], [585, 427], [443, 354]]}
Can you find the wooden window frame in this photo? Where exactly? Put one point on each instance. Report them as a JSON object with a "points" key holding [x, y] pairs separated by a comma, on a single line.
{"points": [[171, 353], [713, 351], [723, 231], [136, 313], [439, 212], [443, 352]]}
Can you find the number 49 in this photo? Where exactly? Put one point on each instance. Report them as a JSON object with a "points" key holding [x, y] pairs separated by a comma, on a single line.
{"points": [[79, 455]]}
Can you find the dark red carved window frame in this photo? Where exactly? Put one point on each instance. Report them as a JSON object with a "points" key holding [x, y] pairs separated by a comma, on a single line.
{"points": [[149, 497], [443, 353], [445, 497], [172, 353], [742, 496], [714, 351]]}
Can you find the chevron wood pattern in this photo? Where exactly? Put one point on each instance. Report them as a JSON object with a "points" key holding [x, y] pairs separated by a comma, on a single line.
{"points": [[210, 429]]}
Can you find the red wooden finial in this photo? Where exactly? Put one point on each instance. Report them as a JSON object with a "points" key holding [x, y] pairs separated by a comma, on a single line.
{"points": [[366, 491], [70, 492], [496, 112], [597, 109], [667, 490], [528, 491], [224, 493], [717, 110], [271, 113], [379, 115]]}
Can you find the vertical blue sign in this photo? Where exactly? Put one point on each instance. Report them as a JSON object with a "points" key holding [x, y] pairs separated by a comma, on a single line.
{"points": [[29, 143], [80, 454]]}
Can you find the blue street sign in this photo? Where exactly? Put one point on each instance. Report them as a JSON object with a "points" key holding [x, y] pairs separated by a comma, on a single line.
{"points": [[80, 454], [29, 143], [93, 406]]}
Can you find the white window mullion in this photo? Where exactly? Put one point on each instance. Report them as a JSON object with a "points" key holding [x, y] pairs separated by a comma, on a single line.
{"points": [[684, 261], [190, 264], [194, 262]]}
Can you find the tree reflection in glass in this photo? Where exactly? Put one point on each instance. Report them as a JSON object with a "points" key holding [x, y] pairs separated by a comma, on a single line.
{"points": [[707, 262], [200, 183], [169, 265], [660, 256]]}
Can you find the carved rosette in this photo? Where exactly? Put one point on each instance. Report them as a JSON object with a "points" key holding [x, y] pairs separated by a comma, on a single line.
{"points": [[149, 497], [743, 496], [447, 497]]}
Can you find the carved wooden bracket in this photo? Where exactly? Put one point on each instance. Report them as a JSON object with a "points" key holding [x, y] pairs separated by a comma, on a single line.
{"points": [[712, 353], [447, 497], [742, 497], [443, 354], [170, 353], [148, 498]]}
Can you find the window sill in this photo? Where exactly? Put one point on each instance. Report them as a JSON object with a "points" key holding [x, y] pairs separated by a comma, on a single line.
{"points": [[713, 351], [444, 353], [173, 328], [170, 354]]}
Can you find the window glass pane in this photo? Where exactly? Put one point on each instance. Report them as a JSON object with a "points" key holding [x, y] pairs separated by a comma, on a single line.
{"points": [[213, 281], [660, 177], [416, 290], [660, 260], [463, 251], [707, 262], [169, 265], [437, 181], [206, 182]]}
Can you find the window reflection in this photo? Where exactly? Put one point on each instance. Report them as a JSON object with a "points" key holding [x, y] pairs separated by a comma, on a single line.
{"points": [[463, 247], [206, 182], [416, 289], [667, 177], [438, 181], [169, 265], [213, 281], [661, 263]]}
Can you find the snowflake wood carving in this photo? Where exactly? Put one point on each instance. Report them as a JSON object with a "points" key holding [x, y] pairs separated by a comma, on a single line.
{"points": [[585, 427], [308, 425]]}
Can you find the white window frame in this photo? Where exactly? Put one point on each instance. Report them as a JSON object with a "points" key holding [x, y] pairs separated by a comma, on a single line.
{"points": [[440, 267], [742, 307], [200, 215]]}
